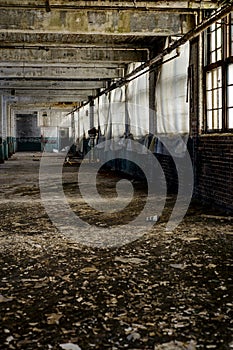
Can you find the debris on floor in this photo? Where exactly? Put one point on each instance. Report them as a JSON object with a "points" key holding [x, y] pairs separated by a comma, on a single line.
{"points": [[177, 345], [163, 291], [70, 346]]}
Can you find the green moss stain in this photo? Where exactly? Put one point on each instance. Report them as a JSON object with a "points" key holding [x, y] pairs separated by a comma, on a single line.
{"points": [[54, 20], [124, 22], [70, 21], [77, 21]]}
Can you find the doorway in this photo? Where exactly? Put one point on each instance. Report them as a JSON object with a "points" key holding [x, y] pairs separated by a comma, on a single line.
{"points": [[28, 134]]}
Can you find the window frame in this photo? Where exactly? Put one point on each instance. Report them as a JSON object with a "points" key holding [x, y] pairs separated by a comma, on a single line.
{"points": [[223, 63]]}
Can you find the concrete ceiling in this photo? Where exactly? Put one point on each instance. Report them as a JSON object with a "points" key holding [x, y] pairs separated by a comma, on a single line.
{"points": [[64, 50]]}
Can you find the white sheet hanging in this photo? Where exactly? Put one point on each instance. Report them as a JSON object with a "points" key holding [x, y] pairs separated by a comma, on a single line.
{"points": [[172, 109], [138, 104], [84, 120], [103, 113], [117, 112], [77, 126]]}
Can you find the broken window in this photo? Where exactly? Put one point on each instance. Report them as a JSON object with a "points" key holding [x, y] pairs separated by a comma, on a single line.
{"points": [[218, 74]]}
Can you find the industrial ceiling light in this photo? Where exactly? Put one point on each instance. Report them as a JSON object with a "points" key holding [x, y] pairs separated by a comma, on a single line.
{"points": [[47, 6]]}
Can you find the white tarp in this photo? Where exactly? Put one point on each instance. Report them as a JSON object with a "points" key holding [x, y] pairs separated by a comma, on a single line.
{"points": [[138, 104], [172, 109], [130, 105], [117, 112], [103, 113], [76, 123], [110, 110], [84, 120]]}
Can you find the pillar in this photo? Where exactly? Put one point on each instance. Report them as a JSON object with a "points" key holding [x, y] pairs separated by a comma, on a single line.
{"points": [[13, 130], [72, 128], [152, 83], [4, 127], [91, 112], [91, 132], [127, 121], [2, 158]]}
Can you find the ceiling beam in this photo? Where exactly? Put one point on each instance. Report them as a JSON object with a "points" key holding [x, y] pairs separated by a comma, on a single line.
{"points": [[21, 84], [27, 100], [100, 21], [111, 4], [46, 50], [78, 65], [72, 55], [46, 92], [17, 70], [19, 107], [9, 37]]}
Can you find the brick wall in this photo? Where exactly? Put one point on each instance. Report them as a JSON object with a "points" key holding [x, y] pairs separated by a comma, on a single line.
{"points": [[215, 169], [212, 154], [169, 170]]}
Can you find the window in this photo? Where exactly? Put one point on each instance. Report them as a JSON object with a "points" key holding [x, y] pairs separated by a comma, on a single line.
{"points": [[218, 75]]}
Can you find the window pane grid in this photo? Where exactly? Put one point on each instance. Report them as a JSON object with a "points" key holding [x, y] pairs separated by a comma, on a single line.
{"points": [[230, 87], [214, 119], [215, 40], [230, 118], [214, 98], [219, 81], [231, 33], [230, 96]]}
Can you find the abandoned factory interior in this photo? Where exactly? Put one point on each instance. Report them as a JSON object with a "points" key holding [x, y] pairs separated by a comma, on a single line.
{"points": [[116, 174]]}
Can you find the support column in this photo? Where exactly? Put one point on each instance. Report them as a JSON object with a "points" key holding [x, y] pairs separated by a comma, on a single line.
{"points": [[72, 128], [91, 112], [9, 134], [152, 121], [1, 130], [13, 130], [4, 127], [73, 148], [127, 121], [92, 131]]}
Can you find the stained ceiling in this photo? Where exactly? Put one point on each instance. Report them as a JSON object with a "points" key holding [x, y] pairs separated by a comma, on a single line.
{"points": [[65, 51]]}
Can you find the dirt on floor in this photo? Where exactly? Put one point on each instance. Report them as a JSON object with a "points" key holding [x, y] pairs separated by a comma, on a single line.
{"points": [[161, 291]]}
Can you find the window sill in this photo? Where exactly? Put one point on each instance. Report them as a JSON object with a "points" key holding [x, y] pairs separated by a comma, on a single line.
{"points": [[217, 134]]}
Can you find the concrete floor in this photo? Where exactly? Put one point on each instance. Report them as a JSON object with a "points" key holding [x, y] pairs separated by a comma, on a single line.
{"points": [[162, 290]]}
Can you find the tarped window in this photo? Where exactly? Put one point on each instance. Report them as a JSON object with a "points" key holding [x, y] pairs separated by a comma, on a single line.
{"points": [[76, 122], [172, 109], [84, 120], [103, 113], [138, 104], [117, 112]]}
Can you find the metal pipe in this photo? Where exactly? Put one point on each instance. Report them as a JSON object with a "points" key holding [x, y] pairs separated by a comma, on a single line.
{"points": [[123, 82], [219, 14], [158, 60], [200, 83]]}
